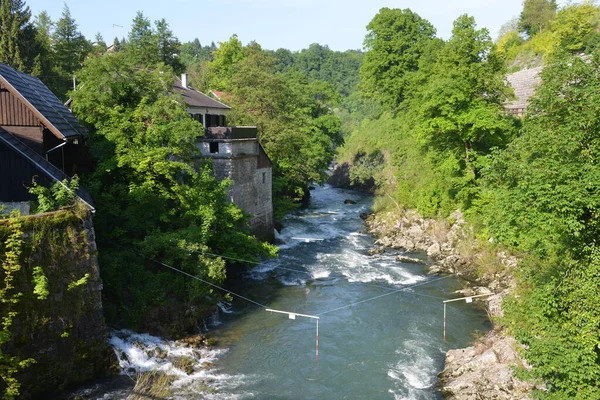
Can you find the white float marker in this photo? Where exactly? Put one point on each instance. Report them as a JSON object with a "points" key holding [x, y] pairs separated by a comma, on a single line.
{"points": [[292, 315], [468, 299]]}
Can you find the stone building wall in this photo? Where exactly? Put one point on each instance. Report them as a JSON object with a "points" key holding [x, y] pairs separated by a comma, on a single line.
{"points": [[251, 187], [65, 332]]}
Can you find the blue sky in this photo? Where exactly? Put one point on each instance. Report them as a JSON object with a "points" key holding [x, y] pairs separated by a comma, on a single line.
{"points": [[291, 24]]}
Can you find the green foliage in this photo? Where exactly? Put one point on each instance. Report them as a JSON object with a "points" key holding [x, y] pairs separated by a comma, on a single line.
{"points": [[537, 15], [396, 41], [193, 53], [144, 145], [576, 22], [541, 198], [40, 282], [147, 46], [78, 283], [437, 145], [320, 63], [294, 116], [573, 28], [59, 195], [9, 298], [16, 33]]}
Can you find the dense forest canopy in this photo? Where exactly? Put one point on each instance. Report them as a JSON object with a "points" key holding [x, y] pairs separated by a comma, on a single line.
{"points": [[422, 117]]}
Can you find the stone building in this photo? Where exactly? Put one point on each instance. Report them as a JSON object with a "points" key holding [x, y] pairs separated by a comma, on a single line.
{"points": [[236, 154]]}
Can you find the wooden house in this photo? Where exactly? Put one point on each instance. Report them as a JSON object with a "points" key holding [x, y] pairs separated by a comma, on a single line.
{"points": [[32, 113], [39, 137]]}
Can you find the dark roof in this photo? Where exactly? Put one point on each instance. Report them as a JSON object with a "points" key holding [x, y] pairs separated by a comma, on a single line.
{"points": [[194, 98], [42, 165], [42, 102]]}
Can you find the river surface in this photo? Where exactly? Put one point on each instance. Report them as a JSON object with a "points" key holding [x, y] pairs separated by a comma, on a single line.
{"points": [[374, 342]]}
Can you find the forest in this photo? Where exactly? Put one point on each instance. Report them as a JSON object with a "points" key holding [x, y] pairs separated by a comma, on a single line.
{"points": [[422, 116]]}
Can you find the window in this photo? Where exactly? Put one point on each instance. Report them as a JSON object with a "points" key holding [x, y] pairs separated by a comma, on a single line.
{"points": [[264, 177], [199, 118], [213, 147]]}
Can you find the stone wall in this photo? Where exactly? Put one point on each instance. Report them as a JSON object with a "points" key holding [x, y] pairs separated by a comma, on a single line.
{"points": [[65, 332], [251, 187]]}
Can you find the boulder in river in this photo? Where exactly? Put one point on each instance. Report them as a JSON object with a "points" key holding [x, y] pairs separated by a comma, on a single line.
{"points": [[349, 201], [407, 259]]}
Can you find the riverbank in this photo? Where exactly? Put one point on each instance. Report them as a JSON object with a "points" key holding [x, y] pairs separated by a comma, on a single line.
{"points": [[484, 370]]}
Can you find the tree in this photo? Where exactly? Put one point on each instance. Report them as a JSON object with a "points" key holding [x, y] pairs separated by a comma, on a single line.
{"points": [[190, 52], [70, 50], [141, 45], [144, 147], [395, 42], [225, 57], [537, 15], [168, 46], [576, 23], [543, 200], [462, 102], [99, 44], [17, 34]]}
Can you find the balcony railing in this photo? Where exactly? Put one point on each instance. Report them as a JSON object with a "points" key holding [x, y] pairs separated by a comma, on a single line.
{"points": [[230, 132]]}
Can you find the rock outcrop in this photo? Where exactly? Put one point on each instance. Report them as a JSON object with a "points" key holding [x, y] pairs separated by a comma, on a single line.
{"points": [[483, 371], [340, 178]]}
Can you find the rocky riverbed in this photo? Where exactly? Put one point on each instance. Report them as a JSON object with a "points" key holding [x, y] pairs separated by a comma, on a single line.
{"points": [[484, 370]]}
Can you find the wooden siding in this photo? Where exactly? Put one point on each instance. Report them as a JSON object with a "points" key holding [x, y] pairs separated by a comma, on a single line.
{"points": [[13, 112], [16, 173]]}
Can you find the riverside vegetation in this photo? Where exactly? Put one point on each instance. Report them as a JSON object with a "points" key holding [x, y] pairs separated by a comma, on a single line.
{"points": [[419, 116], [529, 187]]}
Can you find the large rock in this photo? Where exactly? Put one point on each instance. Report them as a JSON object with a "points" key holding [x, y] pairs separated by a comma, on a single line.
{"points": [[484, 371], [434, 251], [340, 178], [410, 260]]}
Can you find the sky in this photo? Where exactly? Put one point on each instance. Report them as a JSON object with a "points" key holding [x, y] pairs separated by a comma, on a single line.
{"points": [[290, 24]]}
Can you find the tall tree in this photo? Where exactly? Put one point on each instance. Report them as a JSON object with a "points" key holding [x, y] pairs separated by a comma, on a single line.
{"points": [[168, 45], [17, 34], [44, 60], [460, 106], [141, 46], [395, 42], [70, 46], [537, 15], [225, 58]]}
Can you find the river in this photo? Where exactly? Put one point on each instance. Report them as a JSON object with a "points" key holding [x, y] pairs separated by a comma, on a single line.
{"points": [[374, 342]]}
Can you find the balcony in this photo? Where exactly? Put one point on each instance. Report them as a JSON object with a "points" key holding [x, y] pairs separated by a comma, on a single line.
{"points": [[230, 132]]}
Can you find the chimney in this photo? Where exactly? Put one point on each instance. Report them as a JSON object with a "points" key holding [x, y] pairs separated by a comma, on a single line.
{"points": [[184, 81]]}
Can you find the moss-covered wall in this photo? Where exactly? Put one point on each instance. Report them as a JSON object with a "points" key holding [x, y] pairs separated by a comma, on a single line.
{"points": [[60, 325]]}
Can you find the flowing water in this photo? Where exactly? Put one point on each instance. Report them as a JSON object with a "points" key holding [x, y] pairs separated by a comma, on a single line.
{"points": [[388, 347]]}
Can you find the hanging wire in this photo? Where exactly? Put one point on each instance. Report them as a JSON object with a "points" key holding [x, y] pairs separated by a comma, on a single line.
{"points": [[396, 291], [184, 273]]}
